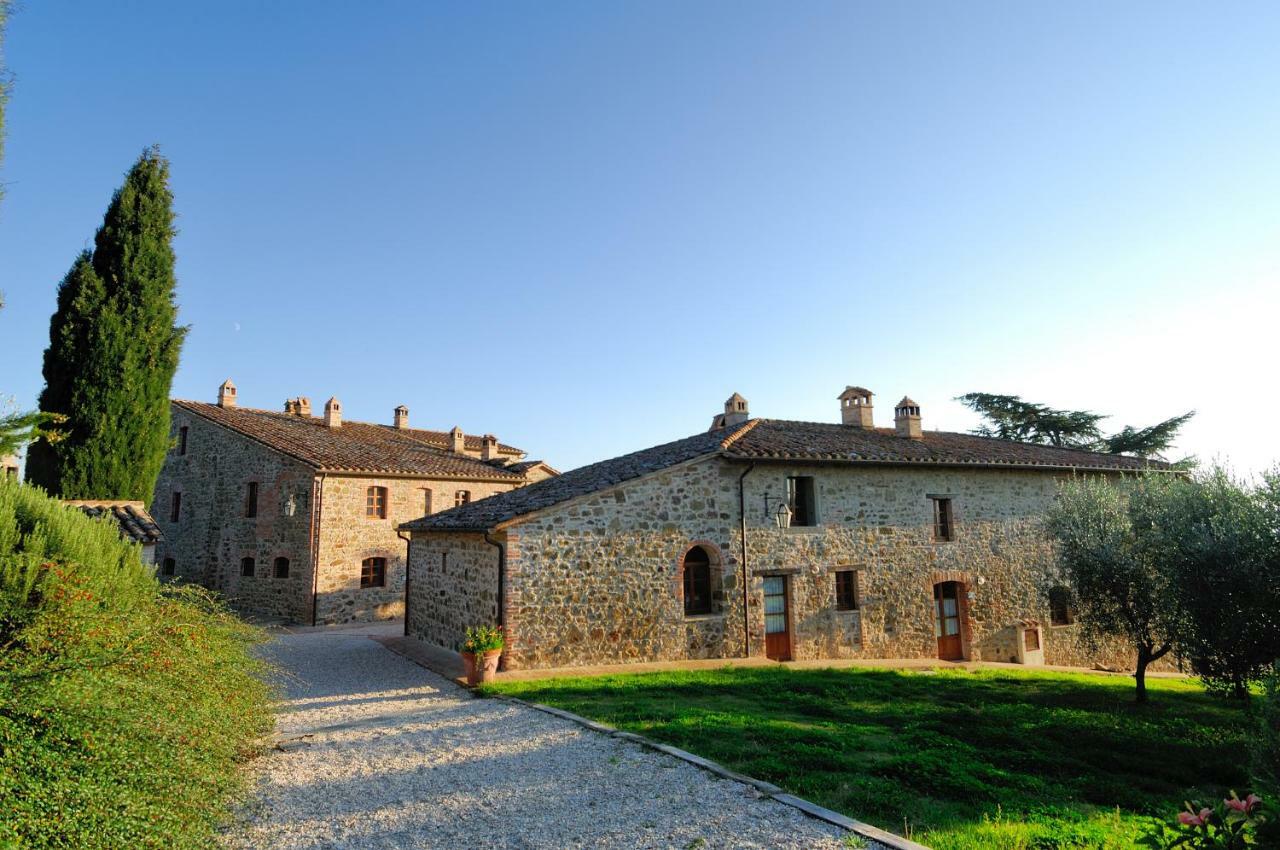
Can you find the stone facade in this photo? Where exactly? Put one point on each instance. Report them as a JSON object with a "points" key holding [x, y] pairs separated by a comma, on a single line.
{"points": [[313, 519], [598, 579]]}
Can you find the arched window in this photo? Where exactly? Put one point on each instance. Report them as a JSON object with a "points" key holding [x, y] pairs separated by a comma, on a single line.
{"points": [[375, 502], [282, 568], [697, 582], [1061, 611]]}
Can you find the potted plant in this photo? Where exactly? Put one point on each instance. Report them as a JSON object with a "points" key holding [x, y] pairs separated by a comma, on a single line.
{"points": [[480, 653]]}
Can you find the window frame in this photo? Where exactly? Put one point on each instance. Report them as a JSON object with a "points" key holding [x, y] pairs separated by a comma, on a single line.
{"points": [[427, 496], [944, 519], [847, 597], [798, 486], [248, 567], [705, 603], [251, 499], [461, 497], [376, 567], [280, 560], [376, 502]]}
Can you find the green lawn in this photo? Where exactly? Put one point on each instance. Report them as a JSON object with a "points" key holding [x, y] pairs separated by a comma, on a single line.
{"points": [[959, 760]]}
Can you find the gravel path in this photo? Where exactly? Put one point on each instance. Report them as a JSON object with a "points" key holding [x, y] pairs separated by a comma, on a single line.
{"points": [[395, 756]]}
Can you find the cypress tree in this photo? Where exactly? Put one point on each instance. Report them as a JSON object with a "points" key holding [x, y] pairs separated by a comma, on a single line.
{"points": [[113, 349]]}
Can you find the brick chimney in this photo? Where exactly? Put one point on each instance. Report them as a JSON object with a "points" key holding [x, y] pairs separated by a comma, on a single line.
{"points": [[489, 447], [402, 418], [300, 406], [855, 407], [333, 413], [457, 442], [735, 411], [227, 394], [906, 419]]}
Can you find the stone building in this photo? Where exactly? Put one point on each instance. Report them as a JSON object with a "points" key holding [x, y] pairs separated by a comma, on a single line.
{"points": [[294, 516], [773, 538]]}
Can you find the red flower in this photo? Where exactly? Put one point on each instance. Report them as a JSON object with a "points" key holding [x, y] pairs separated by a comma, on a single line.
{"points": [[1244, 806], [1191, 819]]}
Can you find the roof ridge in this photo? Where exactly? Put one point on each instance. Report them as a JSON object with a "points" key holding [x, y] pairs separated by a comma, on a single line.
{"points": [[741, 431]]}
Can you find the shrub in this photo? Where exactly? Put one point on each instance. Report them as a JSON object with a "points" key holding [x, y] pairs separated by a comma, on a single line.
{"points": [[126, 707]]}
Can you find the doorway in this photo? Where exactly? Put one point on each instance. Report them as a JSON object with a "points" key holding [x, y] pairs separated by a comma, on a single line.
{"points": [[946, 620], [777, 619]]}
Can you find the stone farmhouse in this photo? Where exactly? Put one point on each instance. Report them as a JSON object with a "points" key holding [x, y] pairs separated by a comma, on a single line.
{"points": [[763, 537], [294, 516]]}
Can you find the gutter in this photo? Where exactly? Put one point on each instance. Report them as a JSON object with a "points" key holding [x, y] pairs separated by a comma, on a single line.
{"points": [[317, 507], [742, 515]]}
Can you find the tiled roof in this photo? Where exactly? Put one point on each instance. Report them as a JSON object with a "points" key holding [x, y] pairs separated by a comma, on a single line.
{"points": [[774, 439], [132, 517], [354, 446], [485, 513], [771, 439]]}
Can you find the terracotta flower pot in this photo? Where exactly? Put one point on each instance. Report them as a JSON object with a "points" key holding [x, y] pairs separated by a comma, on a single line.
{"points": [[481, 667]]}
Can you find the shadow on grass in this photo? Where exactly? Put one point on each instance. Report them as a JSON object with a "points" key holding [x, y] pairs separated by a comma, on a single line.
{"points": [[953, 753]]}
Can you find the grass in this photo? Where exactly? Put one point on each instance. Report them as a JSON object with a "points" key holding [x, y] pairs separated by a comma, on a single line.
{"points": [[958, 760], [126, 708]]}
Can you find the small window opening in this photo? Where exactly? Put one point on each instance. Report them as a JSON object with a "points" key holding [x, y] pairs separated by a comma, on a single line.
{"points": [[282, 568], [375, 502], [943, 523], [373, 572], [1061, 611], [251, 499], [461, 498], [175, 507], [168, 567], [846, 590], [800, 500], [697, 582], [246, 566], [182, 440]]}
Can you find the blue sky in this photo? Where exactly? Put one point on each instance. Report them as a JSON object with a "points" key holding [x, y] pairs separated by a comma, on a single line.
{"points": [[581, 226]]}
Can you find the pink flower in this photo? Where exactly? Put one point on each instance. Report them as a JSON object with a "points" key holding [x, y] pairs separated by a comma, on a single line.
{"points": [[1191, 819], [1244, 806]]}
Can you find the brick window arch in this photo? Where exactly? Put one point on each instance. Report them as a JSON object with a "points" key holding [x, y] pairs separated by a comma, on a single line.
{"points": [[700, 579]]}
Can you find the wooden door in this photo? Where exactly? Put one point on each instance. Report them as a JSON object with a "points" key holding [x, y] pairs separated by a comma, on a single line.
{"points": [[946, 620], [777, 620]]}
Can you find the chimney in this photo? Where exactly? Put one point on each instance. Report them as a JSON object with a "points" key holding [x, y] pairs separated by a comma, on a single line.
{"points": [[304, 405], [457, 443], [333, 413], [489, 447], [855, 407], [735, 411], [227, 394], [906, 419], [402, 418]]}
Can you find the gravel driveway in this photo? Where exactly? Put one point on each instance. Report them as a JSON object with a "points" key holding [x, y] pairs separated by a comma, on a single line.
{"points": [[396, 756]]}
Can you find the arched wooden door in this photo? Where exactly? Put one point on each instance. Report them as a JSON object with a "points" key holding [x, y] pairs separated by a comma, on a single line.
{"points": [[946, 620]]}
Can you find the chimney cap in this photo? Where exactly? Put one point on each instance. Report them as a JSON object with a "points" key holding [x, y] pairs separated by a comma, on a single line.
{"points": [[907, 402], [400, 408], [854, 392]]}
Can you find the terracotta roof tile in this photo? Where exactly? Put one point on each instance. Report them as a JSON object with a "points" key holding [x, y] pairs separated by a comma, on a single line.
{"points": [[132, 517], [771, 439], [355, 446]]}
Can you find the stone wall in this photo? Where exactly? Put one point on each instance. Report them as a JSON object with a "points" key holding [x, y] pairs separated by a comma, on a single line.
{"points": [[212, 533], [454, 586], [348, 536], [598, 579]]}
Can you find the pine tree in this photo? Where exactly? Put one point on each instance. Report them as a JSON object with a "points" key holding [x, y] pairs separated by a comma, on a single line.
{"points": [[113, 349]]}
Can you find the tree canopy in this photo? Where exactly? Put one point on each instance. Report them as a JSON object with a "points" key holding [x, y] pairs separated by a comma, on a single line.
{"points": [[113, 349], [1010, 417]]}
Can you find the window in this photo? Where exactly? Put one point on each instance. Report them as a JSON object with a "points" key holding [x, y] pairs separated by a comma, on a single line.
{"points": [[846, 590], [251, 499], [246, 566], [182, 440], [375, 502], [168, 567], [1061, 611], [697, 582], [282, 568], [943, 525], [800, 500], [175, 507], [461, 497], [426, 501], [1031, 639], [373, 572]]}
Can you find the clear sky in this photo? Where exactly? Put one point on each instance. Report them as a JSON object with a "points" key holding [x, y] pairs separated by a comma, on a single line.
{"points": [[581, 226]]}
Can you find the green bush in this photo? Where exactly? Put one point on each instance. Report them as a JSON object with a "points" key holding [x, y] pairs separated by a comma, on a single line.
{"points": [[126, 706], [1265, 753]]}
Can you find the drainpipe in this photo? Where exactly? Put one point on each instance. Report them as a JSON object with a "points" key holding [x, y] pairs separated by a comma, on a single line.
{"points": [[742, 514], [317, 502], [408, 559]]}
